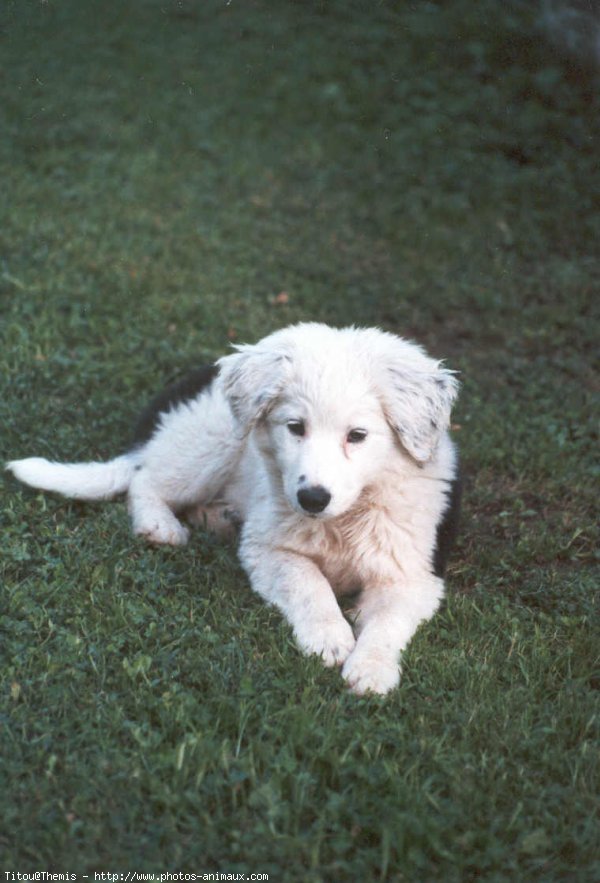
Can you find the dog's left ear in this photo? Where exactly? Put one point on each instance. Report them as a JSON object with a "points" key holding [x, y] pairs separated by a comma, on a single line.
{"points": [[418, 397], [252, 379]]}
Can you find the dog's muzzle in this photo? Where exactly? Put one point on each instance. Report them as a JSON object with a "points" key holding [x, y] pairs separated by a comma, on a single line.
{"points": [[314, 499]]}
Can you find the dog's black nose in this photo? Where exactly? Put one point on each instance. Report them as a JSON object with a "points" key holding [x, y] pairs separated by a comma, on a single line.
{"points": [[314, 499]]}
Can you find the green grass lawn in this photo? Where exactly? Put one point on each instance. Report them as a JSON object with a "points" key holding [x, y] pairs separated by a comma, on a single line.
{"points": [[168, 170]]}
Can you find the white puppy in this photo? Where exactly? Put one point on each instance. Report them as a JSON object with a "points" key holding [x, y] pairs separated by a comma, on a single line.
{"points": [[330, 448]]}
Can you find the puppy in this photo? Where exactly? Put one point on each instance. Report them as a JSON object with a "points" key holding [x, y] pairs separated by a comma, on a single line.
{"points": [[330, 449]]}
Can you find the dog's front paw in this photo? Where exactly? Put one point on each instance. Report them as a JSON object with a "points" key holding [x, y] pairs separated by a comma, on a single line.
{"points": [[371, 672], [332, 640]]}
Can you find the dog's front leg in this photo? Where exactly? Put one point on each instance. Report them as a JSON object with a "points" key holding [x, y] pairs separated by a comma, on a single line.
{"points": [[387, 618], [295, 585]]}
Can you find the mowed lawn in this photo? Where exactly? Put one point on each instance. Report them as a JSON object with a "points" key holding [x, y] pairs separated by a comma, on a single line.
{"points": [[177, 176]]}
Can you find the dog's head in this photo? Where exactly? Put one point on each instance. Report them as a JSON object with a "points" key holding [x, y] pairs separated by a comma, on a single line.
{"points": [[332, 408]]}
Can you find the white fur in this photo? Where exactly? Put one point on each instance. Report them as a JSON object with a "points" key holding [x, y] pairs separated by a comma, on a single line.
{"points": [[231, 448]]}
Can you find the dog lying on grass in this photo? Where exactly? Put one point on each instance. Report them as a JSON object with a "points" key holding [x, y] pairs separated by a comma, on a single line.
{"points": [[330, 448]]}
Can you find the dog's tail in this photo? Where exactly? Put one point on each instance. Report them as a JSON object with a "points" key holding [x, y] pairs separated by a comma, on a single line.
{"points": [[80, 481]]}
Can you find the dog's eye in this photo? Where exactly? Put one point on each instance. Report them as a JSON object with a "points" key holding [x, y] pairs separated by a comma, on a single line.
{"points": [[296, 427], [355, 436]]}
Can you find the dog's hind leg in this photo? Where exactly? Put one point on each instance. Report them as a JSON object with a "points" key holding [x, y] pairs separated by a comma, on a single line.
{"points": [[152, 518], [188, 462]]}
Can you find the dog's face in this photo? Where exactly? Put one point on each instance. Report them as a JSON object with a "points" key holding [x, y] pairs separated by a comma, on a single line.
{"points": [[330, 407], [325, 448]]}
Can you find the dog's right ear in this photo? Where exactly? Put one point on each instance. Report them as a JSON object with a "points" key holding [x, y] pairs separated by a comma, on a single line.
{"points": [[252, 379]]}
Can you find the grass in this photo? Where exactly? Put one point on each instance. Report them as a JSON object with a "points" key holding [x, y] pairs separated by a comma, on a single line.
{"points": [[169, 169]]}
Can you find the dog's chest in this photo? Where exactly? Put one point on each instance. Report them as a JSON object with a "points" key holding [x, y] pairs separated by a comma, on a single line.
{"points": [[343, 576], [353, 552]]}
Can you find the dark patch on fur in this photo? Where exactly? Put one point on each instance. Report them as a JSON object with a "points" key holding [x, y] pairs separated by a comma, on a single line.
{"points": [[234, 517], [447, 529], [186, 389]]}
